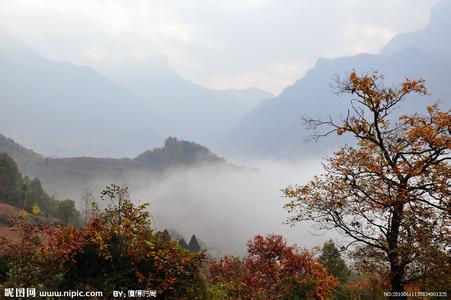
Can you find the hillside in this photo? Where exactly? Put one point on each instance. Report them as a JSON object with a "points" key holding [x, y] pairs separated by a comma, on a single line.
{"points": [[21, 154], [6, 212], [67, 177], [24, 195], [434, 39], [41, 99], [176, 152], [94, 115], [275, 127]]}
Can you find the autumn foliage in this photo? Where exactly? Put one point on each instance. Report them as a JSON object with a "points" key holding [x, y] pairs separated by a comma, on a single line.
{"points": [[272, 269], [390, 192], [38, 256], [116, 250]]}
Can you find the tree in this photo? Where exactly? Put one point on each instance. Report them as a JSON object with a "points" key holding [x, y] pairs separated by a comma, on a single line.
{"points": [[330, 258], [28, 194], [183, 244], [122, 252], [9, 179], [193, 244], [36, 210], [87, 199], [227, 279], [37, 196], [389, 194], [37, 256], [67, 212], [272, 269]]}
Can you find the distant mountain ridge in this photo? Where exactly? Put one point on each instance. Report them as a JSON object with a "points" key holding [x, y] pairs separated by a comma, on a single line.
{"points": [[178, 107], [275, 127], [63, 109], [22, 154], [434, 38], [67, 177]]}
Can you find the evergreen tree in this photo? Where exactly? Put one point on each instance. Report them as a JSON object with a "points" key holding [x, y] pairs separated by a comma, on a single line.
{"points": [[9, 179], [194, 244], [331, 258], [166, 234], [183, 244]]}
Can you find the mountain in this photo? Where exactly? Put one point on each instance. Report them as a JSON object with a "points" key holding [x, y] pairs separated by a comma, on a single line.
{"points": [[176, 152], [275, 126], [434, 39], [179, 107], [64, 109], [19, 153], [67, 177]]}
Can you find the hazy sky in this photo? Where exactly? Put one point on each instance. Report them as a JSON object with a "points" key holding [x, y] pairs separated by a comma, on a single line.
{"points": [[220, 44]]}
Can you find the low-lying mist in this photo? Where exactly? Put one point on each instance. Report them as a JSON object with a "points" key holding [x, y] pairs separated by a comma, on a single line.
{"points": [[227, 207]]}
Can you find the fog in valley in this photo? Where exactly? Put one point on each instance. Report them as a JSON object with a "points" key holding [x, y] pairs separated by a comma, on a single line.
{"points": [[226, 208]]}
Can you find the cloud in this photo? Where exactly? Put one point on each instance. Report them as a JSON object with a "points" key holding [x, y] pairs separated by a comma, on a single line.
{"points": [[214, 43]]}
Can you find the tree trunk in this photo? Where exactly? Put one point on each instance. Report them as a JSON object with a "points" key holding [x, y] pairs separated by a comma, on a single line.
{"points": [[396, 279], [397, 270]]}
